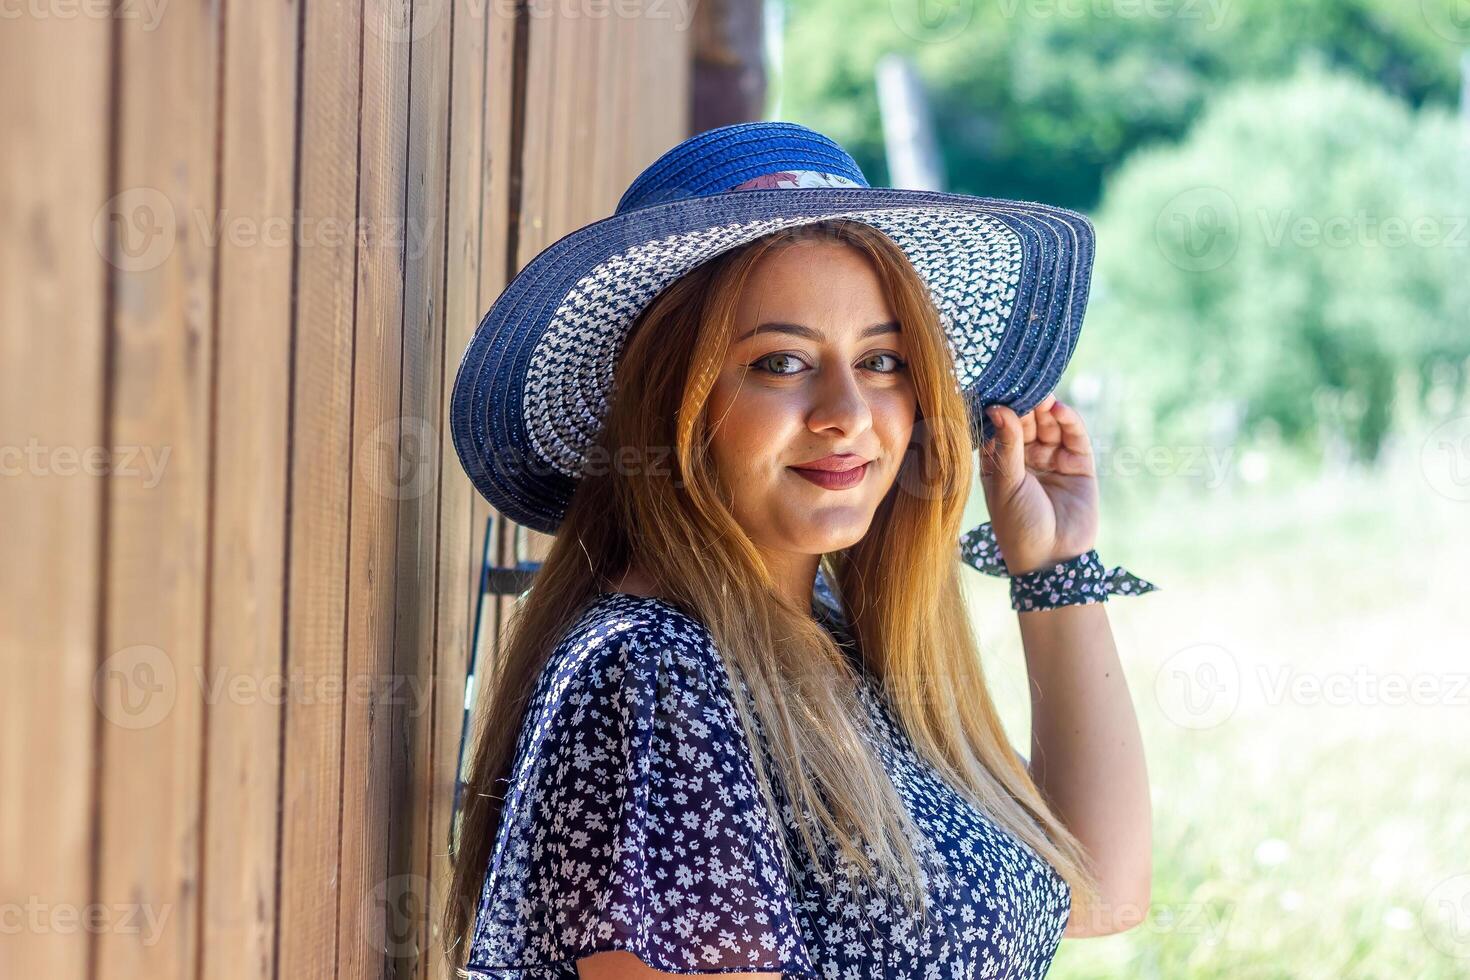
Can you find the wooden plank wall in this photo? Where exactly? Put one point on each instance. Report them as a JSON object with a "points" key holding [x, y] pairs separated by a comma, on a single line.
{"points": [[243, 247]]}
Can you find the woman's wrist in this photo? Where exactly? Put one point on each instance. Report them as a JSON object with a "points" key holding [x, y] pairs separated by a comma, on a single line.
{"points": [[1077, 580]]}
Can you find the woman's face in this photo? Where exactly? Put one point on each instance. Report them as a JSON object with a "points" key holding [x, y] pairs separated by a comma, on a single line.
{"points": [[817, 366]]}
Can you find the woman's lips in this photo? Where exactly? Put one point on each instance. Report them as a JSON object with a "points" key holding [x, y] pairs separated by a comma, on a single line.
{"points": [[830, 480]]}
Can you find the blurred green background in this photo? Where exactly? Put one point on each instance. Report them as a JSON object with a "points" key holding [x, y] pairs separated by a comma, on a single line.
{"points": [[1273, 373]]}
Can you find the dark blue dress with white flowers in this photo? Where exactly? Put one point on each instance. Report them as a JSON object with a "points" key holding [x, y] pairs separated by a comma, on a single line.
{"points": [[632, 821]]}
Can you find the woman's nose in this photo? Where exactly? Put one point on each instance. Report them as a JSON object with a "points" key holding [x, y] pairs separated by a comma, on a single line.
{"points": [[838, 401]]}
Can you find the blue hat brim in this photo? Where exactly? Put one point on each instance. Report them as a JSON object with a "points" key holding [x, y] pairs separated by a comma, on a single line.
{"points": [[485, 415]]}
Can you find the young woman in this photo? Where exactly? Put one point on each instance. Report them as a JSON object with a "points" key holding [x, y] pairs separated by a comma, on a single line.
{"points": [[739, 724]]}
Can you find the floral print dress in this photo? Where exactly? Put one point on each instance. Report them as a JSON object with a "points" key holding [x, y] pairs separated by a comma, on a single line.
{"points": [[632, 821]]}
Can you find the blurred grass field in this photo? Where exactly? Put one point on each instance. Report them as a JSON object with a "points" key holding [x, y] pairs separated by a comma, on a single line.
{"points": [[1302, 680]]}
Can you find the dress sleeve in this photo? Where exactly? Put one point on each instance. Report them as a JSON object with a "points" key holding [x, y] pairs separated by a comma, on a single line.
{"points": [[634, 822]]}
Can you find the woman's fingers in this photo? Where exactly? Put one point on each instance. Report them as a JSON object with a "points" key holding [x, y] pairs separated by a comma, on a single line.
{"points": [[1005, 455], [1035, 420], [1072, 430], [1035, 438], [1048, 431]]}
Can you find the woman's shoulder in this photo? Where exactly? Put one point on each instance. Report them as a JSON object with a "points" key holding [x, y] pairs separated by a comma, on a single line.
{"points": [[617, 658], [631, 629]]}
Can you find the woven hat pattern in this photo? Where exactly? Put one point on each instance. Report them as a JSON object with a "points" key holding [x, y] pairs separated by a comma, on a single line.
{"points": [[573, 364]]}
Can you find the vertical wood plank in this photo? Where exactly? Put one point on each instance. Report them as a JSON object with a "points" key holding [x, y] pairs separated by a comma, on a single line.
{"points": [[665, 66], [538, 136], [366, 888], [156, 571], [582, 183], [244, 687], [480, 77], [417, 489], [606, 174], [322, 476], [58, 118]]}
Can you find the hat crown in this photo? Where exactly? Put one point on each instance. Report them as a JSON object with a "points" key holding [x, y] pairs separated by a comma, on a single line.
{"points": [[744, 156]]}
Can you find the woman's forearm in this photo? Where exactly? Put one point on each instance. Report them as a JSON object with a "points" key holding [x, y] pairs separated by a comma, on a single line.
{"points": [[1087, 755]]}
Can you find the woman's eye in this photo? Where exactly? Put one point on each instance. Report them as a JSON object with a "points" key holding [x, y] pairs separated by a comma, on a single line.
{"points": [[898, 364], [777, 358]]}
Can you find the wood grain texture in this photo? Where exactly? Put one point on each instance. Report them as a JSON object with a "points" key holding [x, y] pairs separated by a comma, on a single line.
{"points": [[150, 833], [57, 121], [244, 687], [366, 888], [322, 478], [417, 488], [244, 247]]}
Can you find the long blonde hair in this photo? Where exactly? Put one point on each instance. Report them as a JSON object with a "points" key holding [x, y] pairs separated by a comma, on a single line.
{"points": [[899, 587]]}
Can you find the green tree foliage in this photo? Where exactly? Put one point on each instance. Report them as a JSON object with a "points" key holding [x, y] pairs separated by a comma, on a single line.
{"points": [[1300, 259], [1039, 99]]}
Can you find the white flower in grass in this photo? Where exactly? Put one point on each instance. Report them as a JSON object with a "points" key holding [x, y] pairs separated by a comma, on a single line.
{"points": [[1272, 851]]}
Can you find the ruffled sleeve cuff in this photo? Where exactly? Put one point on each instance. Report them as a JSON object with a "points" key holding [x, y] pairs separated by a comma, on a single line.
{"points": [[1077, 581]]}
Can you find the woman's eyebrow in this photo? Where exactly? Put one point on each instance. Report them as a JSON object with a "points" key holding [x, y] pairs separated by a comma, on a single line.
{"points": [[798, 330]]}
